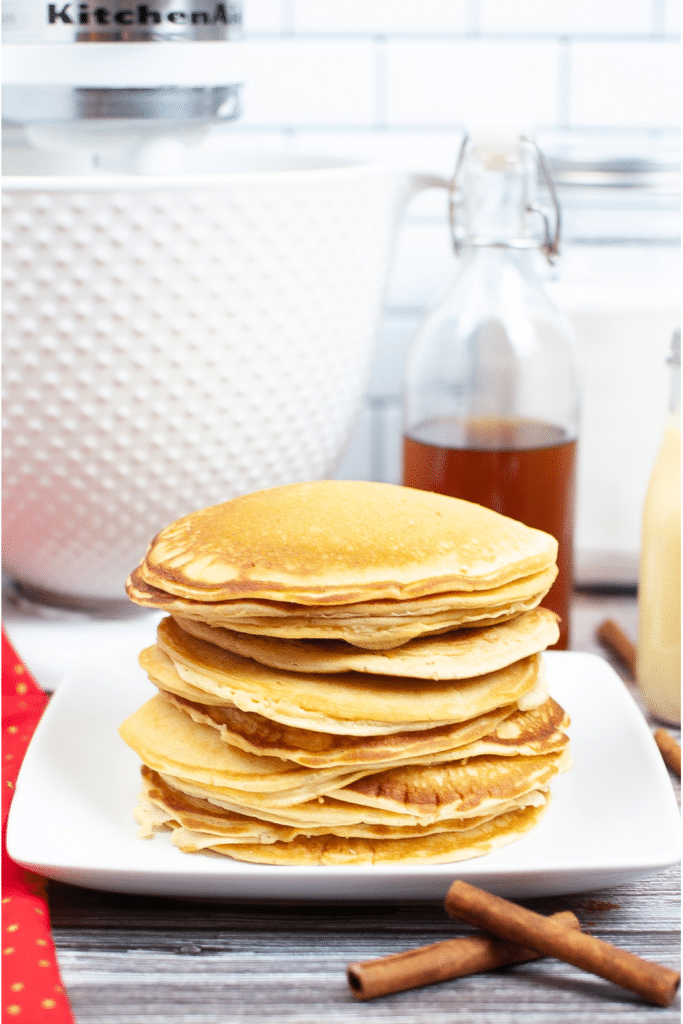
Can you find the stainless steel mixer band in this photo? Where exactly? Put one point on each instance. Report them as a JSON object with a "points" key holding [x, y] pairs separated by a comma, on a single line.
{"points": [[26, 104], [39, 21]]}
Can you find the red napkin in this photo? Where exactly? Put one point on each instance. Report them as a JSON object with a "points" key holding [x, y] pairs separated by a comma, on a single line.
{"points": [[32, 989]]}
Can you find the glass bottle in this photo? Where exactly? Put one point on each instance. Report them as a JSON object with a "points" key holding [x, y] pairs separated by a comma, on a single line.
{"points": [[658, 660], [491, 388]]}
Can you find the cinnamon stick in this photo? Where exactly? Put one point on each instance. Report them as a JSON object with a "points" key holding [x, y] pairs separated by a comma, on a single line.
{"points": [[516, 924], [440, 961], [616, 641], [670, 750]]}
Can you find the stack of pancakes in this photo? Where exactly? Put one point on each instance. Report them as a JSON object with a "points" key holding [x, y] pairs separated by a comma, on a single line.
{"points": [[350, 672]]}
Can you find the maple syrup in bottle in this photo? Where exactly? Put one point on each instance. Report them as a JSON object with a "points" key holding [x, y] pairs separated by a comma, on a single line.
{"points": [[522, 469], [491, 388]]}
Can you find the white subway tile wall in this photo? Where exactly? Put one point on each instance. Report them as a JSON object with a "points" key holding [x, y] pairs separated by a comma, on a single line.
{"points": [[399, 81], [263, 17], [442, 82], [625, 84], [380, 17], [310, 82], [567, 17], [671, 19]]}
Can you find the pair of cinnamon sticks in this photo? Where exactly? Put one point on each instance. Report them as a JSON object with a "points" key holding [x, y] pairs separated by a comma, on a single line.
{"points": [[511, 935]]}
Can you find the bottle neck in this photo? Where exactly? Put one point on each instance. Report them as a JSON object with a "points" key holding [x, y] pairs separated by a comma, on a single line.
{"points": [[496, 200], [502, 271], [494, 208]]}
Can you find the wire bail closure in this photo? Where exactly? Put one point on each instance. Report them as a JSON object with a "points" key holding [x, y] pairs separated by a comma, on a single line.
{"points": [[550, 243]]}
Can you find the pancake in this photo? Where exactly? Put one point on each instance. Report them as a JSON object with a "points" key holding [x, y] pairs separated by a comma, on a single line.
{"points": [[198, 825], [166, 739], [248, 609], [336, 542], [459, 655], [381, 634], [443, 847], [259, 735], [371, 634], [505, 730], [374, 625], [325, 810], [348, 704], [455, 788]]}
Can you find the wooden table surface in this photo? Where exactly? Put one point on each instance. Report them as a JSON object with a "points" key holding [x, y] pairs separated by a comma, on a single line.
{"points": [[131, 958]]}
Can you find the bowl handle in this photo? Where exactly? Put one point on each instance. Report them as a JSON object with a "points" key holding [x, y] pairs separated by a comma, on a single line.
{"points": [[419, 182]]}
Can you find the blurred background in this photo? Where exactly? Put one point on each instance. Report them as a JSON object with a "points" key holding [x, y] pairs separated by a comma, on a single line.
{"points": [[386, 84], [598, 83]]}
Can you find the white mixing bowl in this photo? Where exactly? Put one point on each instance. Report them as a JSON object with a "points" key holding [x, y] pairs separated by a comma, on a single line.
{"points": [[173, 341]]}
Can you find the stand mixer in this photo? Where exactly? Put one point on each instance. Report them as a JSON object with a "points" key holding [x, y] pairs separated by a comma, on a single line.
{"points": [[119, 87], [182, 322]]}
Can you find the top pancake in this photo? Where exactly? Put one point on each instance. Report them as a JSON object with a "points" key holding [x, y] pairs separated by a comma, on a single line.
{"points": [[332, 542]]}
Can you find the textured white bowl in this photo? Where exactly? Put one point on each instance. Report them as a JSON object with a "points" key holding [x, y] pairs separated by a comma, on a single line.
{"points": [[172, 342]]}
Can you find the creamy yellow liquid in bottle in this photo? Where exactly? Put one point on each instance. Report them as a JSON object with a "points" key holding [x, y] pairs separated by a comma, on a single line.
{"points": [[659, 586]]}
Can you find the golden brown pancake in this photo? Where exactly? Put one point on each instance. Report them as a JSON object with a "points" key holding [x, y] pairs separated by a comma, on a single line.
{"points": [[332, 542], [443, 847], [373, 625], [349, 704], [259, 735], [460, 655], [505, 730], [455, 788], [324, 810], [375, 634], [371, 634], [167, 740], [254, 609], [198, 825]]}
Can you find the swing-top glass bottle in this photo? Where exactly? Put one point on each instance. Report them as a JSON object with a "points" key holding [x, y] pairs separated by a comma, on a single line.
{"points": [[491, 389]]}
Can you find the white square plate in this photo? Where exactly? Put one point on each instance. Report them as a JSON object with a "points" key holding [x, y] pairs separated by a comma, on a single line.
{"points": [[613, 817]]}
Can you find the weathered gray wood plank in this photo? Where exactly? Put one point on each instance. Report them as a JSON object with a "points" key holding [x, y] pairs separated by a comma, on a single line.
{"points": [[110, 989], [217, 963]]}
